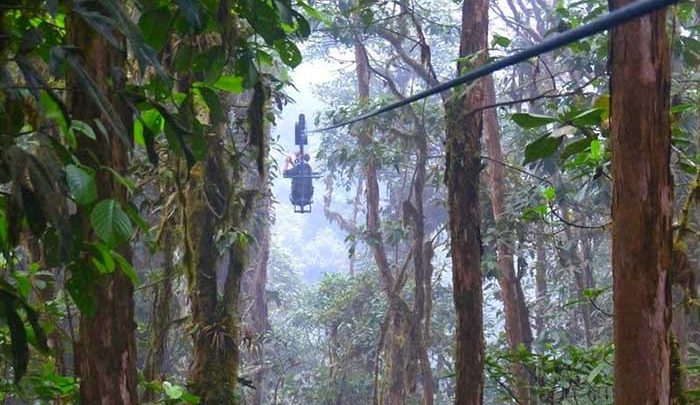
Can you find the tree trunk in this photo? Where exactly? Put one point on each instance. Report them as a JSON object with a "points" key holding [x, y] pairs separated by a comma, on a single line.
{"points": [[398, 310], [106, 351], [463, 138], [642, 208], [517, 319], [254, 296], [216, 198], [422, 271], [161, 315], [213, 372]]}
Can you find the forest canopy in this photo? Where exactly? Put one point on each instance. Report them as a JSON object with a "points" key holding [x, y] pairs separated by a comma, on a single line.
{"points": [[527, 236]]}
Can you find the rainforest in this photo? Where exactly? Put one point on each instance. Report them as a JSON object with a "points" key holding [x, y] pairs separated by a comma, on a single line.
{"points": [[343, 202]]}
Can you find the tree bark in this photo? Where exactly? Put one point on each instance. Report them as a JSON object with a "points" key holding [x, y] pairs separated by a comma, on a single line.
{"points": [[254, 294], [517, 318], [421, 265], [213, 372], [642, 208], [106, 350], [463, 137], [161, 314], [214, 368]]}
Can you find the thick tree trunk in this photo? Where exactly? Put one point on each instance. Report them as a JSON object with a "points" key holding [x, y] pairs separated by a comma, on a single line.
{"points": [[517, 318], [216, 197], [254, 294], [642, 208], [259, 318], [213, 372], [106, 351], [462, 177]]}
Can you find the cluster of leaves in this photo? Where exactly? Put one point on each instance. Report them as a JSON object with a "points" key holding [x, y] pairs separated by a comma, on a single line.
{"points": [[562, 374], [581, 132], [575, 143], [172, 394], [184, 54]]}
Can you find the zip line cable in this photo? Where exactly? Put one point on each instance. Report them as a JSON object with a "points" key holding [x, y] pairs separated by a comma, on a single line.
{"points": [[600, 24]]}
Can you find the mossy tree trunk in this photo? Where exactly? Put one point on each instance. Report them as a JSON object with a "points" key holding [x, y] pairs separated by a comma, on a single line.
{"points": [[213, 372], [217, 203]]}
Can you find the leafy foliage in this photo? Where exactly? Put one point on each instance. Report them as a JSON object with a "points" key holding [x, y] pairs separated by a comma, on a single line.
{"points": [[52, 190]]}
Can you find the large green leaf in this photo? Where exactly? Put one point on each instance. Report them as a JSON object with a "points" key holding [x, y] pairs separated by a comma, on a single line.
{"points": [[192, 12], [84, 127], [81, 184], [288, 51], [33, 210], [111, 223], [210, 63], [576, 147], [527, 120], [213, 102], [500, 40], [22, 332], [541, 148], [232, 84], [173, 391], [81, 287], [101, 258], [588, 118], [126, 267], [155, 27], [315, 13]]}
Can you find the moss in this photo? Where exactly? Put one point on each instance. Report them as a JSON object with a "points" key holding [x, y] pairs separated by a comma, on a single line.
{"points": [[677, 377]]}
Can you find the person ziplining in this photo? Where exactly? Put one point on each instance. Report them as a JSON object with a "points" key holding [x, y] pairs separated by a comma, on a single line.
{"points": [[302, 189], [300, 171]]}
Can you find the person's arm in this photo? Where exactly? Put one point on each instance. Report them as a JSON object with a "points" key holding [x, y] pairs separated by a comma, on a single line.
{"points": [[287, 162]]}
